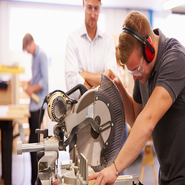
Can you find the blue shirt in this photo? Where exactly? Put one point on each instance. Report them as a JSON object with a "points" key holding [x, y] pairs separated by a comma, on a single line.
{"points": [[40, 76]]}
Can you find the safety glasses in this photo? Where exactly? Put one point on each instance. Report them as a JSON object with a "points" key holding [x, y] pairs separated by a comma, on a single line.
{"points": [[140, 70], [89, 8]]}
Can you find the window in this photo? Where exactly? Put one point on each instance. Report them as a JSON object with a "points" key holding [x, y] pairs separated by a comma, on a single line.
{"points": [[49, 28], [171, 26]]}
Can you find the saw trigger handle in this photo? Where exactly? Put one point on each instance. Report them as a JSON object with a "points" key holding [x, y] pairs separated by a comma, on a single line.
{"points": [[82, 88]]}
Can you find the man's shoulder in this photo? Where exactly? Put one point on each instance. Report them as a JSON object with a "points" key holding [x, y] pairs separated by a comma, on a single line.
{"points": [[41, 55], [42, 52]]}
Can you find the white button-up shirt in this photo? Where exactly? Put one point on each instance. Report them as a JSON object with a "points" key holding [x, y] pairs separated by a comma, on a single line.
{"points": [[83, 54]]}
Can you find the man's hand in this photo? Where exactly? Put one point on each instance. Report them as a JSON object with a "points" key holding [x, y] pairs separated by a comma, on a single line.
{"points": [[106, 176], [113, 77], [28, 89], [93, 79], [83, 74], [87, 85]]}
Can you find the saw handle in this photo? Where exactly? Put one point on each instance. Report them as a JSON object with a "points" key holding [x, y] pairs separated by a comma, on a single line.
{"points": [[80, 87]]}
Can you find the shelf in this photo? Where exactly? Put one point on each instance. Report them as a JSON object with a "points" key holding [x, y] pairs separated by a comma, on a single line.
{"points": [[13, 70]]}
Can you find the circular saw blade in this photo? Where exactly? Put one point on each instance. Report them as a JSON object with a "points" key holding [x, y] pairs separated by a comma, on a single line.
{"points": [[89, 144], [102, 149]]}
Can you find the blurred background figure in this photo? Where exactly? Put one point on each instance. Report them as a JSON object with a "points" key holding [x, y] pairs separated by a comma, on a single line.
{"points": [[38, 85]]}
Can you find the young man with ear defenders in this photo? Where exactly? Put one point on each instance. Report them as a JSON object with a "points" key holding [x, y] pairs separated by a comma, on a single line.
{"points": [[157, 106]]}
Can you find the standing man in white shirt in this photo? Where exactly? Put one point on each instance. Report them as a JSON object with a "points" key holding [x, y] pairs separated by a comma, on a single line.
{"points": [[89, 51]]}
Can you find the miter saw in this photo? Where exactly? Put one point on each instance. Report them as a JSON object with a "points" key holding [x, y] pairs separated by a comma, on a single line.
{"points": [[93, 127]]}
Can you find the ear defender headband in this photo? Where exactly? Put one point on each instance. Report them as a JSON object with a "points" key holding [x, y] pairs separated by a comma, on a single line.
{"points": [[148, 46]]}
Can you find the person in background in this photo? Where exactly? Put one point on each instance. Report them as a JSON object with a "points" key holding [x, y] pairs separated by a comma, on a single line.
{"points": [[38, 85], [157, 106], [89, 51]]}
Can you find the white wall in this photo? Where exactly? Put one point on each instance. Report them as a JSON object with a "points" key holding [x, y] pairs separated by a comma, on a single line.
{"points": [[3, 31]]}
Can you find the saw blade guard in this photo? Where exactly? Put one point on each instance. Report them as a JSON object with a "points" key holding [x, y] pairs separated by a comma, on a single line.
{"points": [[107, 110]]}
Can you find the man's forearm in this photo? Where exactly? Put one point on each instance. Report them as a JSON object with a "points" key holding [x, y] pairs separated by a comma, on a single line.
{"points": [[93, 79], [137, 139], [87, 85]]}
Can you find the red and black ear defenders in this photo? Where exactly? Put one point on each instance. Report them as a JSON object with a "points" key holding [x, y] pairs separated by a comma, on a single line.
{"points": [[148, 46]]}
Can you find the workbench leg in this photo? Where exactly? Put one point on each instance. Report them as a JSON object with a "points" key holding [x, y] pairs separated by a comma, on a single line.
{"points": [[148, 159], [2, 153], [7, 139], [142, 172], [155, 176]]}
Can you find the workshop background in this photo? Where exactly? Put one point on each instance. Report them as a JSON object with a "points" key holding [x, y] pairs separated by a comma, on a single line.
{"points": [[50, 22]]}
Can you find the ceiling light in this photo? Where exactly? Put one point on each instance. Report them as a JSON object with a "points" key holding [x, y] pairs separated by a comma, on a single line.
{"points": [[169, 4]]}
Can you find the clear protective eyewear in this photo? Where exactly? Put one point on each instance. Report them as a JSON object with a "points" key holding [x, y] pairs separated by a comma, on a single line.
{"points": [[89, 8], [139, 71]]}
